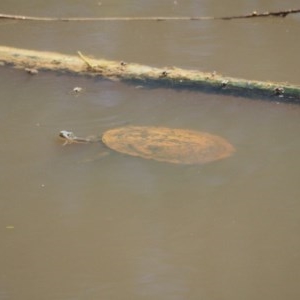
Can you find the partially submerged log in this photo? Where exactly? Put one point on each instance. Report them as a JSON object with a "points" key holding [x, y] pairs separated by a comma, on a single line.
{"points": [[172, 77]]}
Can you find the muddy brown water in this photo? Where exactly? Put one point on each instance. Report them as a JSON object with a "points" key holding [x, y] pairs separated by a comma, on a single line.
{"points": [[76, 224]]}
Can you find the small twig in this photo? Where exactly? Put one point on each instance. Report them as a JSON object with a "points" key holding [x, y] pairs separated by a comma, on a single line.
{"points": [[89, 65], [254, 14]]}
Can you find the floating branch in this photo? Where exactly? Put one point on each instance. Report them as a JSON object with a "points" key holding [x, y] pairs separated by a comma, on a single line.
{"points": [[254, 14], [139, 74]]}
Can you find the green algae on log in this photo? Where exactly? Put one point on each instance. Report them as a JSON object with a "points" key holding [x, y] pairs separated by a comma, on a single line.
{"points": [[171, 77]]}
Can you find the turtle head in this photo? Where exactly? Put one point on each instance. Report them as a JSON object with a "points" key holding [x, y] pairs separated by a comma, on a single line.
{"points": [[68, 135], [70, 138]]}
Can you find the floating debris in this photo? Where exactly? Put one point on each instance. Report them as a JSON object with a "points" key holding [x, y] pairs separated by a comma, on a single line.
{"points": [[77, 89]]}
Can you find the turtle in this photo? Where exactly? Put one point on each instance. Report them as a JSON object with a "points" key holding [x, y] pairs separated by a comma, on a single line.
{"points": [[171, 145]]}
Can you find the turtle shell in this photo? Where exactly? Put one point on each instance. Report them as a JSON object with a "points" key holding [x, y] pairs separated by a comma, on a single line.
{"points": [[177, 146]]}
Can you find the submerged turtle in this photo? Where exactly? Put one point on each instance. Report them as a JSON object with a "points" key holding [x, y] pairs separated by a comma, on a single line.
{"points": [[178, 146]]}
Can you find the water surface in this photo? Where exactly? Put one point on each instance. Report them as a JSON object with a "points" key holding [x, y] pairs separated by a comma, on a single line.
{"points": [[78, 224]]}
